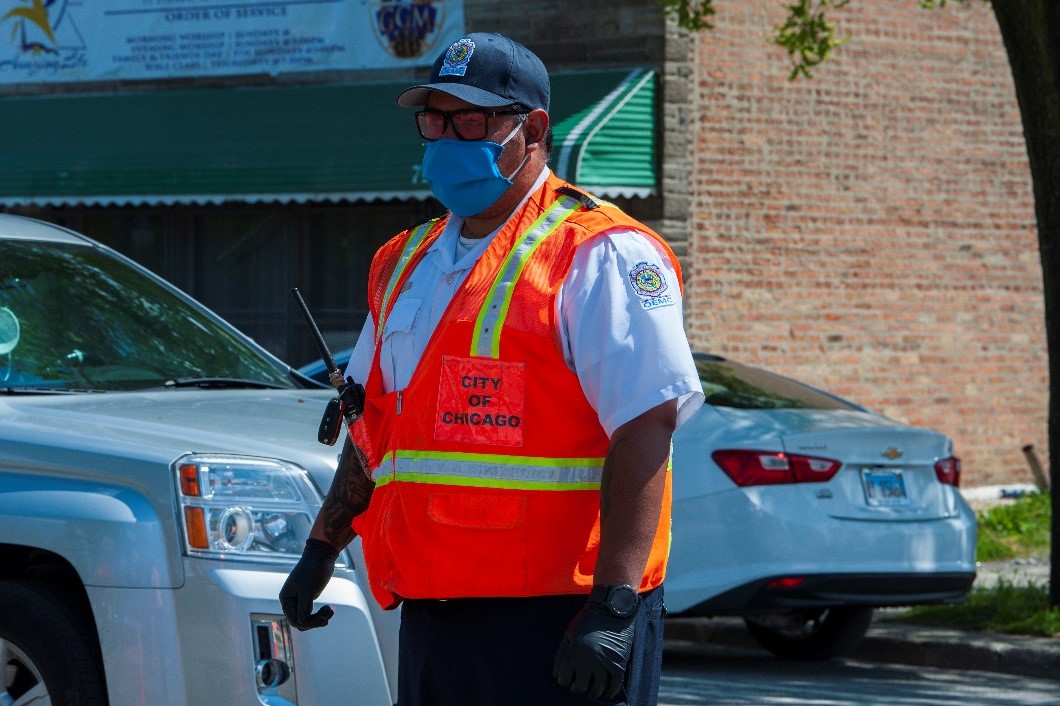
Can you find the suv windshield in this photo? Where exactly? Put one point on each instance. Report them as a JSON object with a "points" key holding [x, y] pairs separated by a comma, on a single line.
{"points": [[75, 317], [729, 384]]}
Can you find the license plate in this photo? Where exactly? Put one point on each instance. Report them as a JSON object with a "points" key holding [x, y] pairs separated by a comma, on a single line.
{"points": [[884, 488]]}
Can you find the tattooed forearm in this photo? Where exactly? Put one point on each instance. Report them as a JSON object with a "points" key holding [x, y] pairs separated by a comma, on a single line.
{"points": [[349, 495]]}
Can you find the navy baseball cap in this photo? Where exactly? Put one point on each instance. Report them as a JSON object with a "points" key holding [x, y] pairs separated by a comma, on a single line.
{"points": [[487, 70]]}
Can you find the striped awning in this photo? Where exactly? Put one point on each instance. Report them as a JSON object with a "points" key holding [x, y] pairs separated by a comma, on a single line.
{"points": [[608, 147]]}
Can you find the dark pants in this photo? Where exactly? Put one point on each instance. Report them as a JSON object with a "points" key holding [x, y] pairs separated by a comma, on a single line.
{"points": [[501, 651]]}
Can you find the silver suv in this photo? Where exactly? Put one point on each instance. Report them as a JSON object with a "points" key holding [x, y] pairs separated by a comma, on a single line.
{"points": [[159, 473]]}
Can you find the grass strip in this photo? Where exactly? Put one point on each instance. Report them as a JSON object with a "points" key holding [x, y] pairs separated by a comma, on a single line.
{"points": [[1018, 609], [1016, 530]]}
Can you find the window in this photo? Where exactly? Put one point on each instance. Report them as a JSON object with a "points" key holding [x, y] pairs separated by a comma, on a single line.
{"points": [[729, 384]]}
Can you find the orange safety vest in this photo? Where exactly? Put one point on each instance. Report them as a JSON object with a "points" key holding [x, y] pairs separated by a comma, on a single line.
{"points": [[488, 465]]}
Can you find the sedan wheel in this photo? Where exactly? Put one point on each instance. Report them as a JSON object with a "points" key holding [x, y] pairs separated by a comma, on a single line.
{"points": [[819, 633], [46, 658]]}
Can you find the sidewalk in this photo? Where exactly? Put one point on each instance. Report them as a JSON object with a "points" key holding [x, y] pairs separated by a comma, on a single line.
{"points": [[893, 642]]}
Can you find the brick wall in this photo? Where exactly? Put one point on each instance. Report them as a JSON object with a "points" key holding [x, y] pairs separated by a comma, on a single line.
{"points": [[872, 231]]}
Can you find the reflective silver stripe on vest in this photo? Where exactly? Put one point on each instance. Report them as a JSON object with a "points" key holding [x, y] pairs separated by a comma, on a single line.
{"points": [[485, 341], [582, 474]]}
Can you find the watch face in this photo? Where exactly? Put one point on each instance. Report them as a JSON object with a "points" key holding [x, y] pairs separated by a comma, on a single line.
{"points": [[623, 600]]}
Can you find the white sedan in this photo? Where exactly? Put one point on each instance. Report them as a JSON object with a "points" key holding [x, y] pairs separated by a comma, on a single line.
{"points": [[802, 512]]}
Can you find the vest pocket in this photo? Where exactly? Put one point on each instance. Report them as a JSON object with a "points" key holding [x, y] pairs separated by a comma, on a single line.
{"points": [[398, 344], [477, 544], [374, 527]]}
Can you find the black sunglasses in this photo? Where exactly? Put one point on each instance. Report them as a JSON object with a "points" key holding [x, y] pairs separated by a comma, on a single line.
{"points": [[468, 124]]}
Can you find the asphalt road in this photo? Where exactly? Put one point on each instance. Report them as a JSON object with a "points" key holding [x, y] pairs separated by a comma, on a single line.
{"points": [[696, 674]]}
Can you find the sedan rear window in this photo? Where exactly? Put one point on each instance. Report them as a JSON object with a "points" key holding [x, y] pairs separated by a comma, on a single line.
{"points": [[729, 384]]}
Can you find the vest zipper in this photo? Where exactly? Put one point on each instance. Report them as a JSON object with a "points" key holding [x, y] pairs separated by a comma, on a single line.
{"points": [[397, 413]]}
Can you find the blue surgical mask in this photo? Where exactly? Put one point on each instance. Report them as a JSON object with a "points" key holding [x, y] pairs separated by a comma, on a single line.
{"points": [[464, 175]]}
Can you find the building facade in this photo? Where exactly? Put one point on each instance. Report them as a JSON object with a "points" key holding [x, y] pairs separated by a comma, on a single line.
{"points": [[869, 231], [872, 230]]}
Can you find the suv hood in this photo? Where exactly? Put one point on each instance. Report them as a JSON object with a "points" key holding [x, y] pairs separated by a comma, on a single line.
{"points": [[164, 424]]}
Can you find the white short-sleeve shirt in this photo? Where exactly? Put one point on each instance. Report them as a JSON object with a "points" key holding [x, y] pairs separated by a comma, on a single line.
{"points": [[620, 313]]}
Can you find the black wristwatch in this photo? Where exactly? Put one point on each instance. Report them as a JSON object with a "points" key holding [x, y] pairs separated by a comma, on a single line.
{"points": [[622, 600]]}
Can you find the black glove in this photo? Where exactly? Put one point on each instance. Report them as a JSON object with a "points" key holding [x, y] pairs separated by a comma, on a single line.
{"points": [[305, 584], [594, 654]]}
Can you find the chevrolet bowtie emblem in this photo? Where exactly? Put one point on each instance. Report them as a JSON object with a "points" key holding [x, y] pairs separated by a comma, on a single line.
{"points": [[892, 453]]}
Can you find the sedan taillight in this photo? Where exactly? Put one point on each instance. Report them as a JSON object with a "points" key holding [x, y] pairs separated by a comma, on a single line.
{"points": [[948, 471], [746, 467]]}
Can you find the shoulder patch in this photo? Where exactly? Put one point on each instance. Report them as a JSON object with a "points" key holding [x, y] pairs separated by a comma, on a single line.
{"points": [[585, 199], [649, 285]]}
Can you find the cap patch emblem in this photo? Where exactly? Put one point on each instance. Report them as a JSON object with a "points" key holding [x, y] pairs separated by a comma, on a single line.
{"points": [[456, 58], [650, 285]]}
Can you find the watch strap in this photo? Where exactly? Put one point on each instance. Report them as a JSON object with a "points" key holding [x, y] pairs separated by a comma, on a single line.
{"points": [[599, 594]]}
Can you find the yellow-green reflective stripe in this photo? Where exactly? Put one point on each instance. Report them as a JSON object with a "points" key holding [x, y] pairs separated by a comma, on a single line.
{"points": [[501, 459], [406, 254], [483, 482], [492, 470], [485, 342], [498, 458]]}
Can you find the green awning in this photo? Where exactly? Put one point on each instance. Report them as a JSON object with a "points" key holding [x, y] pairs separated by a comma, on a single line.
{"points": [[291, 143], [608, 146]]}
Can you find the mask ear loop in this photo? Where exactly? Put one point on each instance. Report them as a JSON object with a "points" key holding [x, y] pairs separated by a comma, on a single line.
{"points": [[513, 133], [515, 130]]}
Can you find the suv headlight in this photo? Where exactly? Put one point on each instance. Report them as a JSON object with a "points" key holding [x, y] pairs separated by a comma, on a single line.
{"points": [[244, 508]]}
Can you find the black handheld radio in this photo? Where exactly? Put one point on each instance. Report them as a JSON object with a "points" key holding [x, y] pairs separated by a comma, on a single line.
{"points": [[350, 401]]}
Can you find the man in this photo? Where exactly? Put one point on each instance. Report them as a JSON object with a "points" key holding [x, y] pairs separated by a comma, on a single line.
{"points": [[526, 366]]}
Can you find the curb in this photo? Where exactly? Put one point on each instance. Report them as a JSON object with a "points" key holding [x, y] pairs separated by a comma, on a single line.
{"points": [[898, 643]]}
